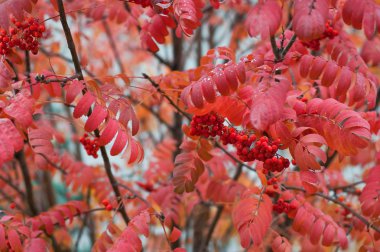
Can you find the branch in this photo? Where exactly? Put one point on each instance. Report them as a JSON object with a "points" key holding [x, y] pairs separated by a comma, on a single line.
{"points": [[288, 46], [69, 39], [330, 159], [346, 186], [27, 66], [275, 49], [356, 214], [78, 71], [20, 156], [154, 84]]}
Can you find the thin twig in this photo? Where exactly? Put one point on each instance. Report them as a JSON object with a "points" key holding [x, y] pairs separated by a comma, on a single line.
{"points": [[154, 84], [13, 186], [346, 186]]}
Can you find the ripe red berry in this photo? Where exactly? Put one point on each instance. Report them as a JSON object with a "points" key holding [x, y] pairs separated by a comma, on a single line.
{"points": [[109, 207], [105, 202], [12, 205]]}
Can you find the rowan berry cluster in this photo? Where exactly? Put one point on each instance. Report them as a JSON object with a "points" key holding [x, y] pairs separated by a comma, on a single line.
{"points": [[91, 145], [107, 205], [23, 35], [329, 32], [283, 207], [273, 181], [207, 125], [248, 147]]}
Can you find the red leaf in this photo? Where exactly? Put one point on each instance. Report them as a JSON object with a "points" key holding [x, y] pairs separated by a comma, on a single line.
{"points": [[264, 19], [14, 240], [3, 243], [252, 217], [268, 103], [40, 140], [369, 197], [141, 223], [73, 89], [188, 168], [10, 140], [362, 13], [35, 245], [109, 132], [15, 8], [343, 129], [222, 79], [21, 108], [281, 244], [96, 118], [128, 241], [174, 236], [309, 19], [121, 140], [84, 105], [188, 13], [5, 74]]}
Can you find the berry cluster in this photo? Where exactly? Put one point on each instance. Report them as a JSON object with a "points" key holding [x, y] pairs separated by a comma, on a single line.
{"points": [[273, 181], [107, 205], [23, 34], [207, 125], [329, 32], [91, 146], [283, 207], [248, 147]]}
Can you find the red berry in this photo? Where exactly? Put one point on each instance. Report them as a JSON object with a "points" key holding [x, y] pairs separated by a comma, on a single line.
{"points": [[109, 207], [12, 205], [105, 202]]}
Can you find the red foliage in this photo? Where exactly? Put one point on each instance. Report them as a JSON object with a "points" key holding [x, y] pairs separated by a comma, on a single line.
{"points": [[125, 135]]}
